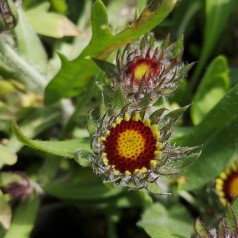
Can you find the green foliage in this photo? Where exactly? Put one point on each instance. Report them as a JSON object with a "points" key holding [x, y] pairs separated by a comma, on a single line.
{"points": [[24, 218], [202, 230], [68, 149], [52, 89], [217, 134], [158, 222], [6, 156], [58, 25], [213, 87], [73, 75], [26, 38], [6, 212], [217, 14]]}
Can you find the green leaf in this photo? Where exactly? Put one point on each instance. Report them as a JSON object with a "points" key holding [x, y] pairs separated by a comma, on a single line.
{"points": [[213, 87], [201, 230], [26, 39], [224, 112], [73, 75], [130, 199], [81, 186], [159, 222], [217, 13], [91, 124], [231, 219], [24, 219], [60, 6], [221, 229], [217, 151], [234, 75], [218, 134], [118, 101], [58, 25], [7, 157], [109, 68], [34, 123], [6, 212], [175, 114], [235, 207], [5, 69], [66, 148]]}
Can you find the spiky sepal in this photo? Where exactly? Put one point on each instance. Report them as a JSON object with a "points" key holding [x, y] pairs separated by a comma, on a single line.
{"points": [[137, 163], [143, 68]]}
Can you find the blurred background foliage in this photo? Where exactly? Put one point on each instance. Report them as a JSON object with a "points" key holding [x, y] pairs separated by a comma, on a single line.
{"points": [[48, 84]]}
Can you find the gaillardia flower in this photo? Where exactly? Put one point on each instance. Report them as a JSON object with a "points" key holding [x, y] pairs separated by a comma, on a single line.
{"points": [[143, 68], [227, 184], [132, 148]]}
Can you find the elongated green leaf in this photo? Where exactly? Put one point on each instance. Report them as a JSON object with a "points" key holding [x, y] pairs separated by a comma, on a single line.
{"points": [[218, 117], [217, 151], [26, 40], [82, 186], [73, 75], [58, 25], [231, 219], [235, 207], [5, 212], [217, 13], [201, 230], [60, 148], [213, 87], [234, 75], [221, 229], [218, 133], [33, 124], [158, 222], [23, 219]]}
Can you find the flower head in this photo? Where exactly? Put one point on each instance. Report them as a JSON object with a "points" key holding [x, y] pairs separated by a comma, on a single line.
{"points": [[227, 184], [132, 148], [148, 69], [17, 185], [131, 145]]}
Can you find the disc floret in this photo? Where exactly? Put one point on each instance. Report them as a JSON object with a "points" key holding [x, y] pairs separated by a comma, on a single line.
{"points": [[131, 145], [132, 148], [146, 68]]}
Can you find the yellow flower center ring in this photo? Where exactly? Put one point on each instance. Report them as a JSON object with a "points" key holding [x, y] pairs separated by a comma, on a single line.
{"points": [[141, 70], [131, 145], [143, 67], [227, 184]]}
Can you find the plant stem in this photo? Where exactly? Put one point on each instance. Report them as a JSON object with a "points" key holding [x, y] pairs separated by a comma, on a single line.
{"points": [[22, 69]]}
